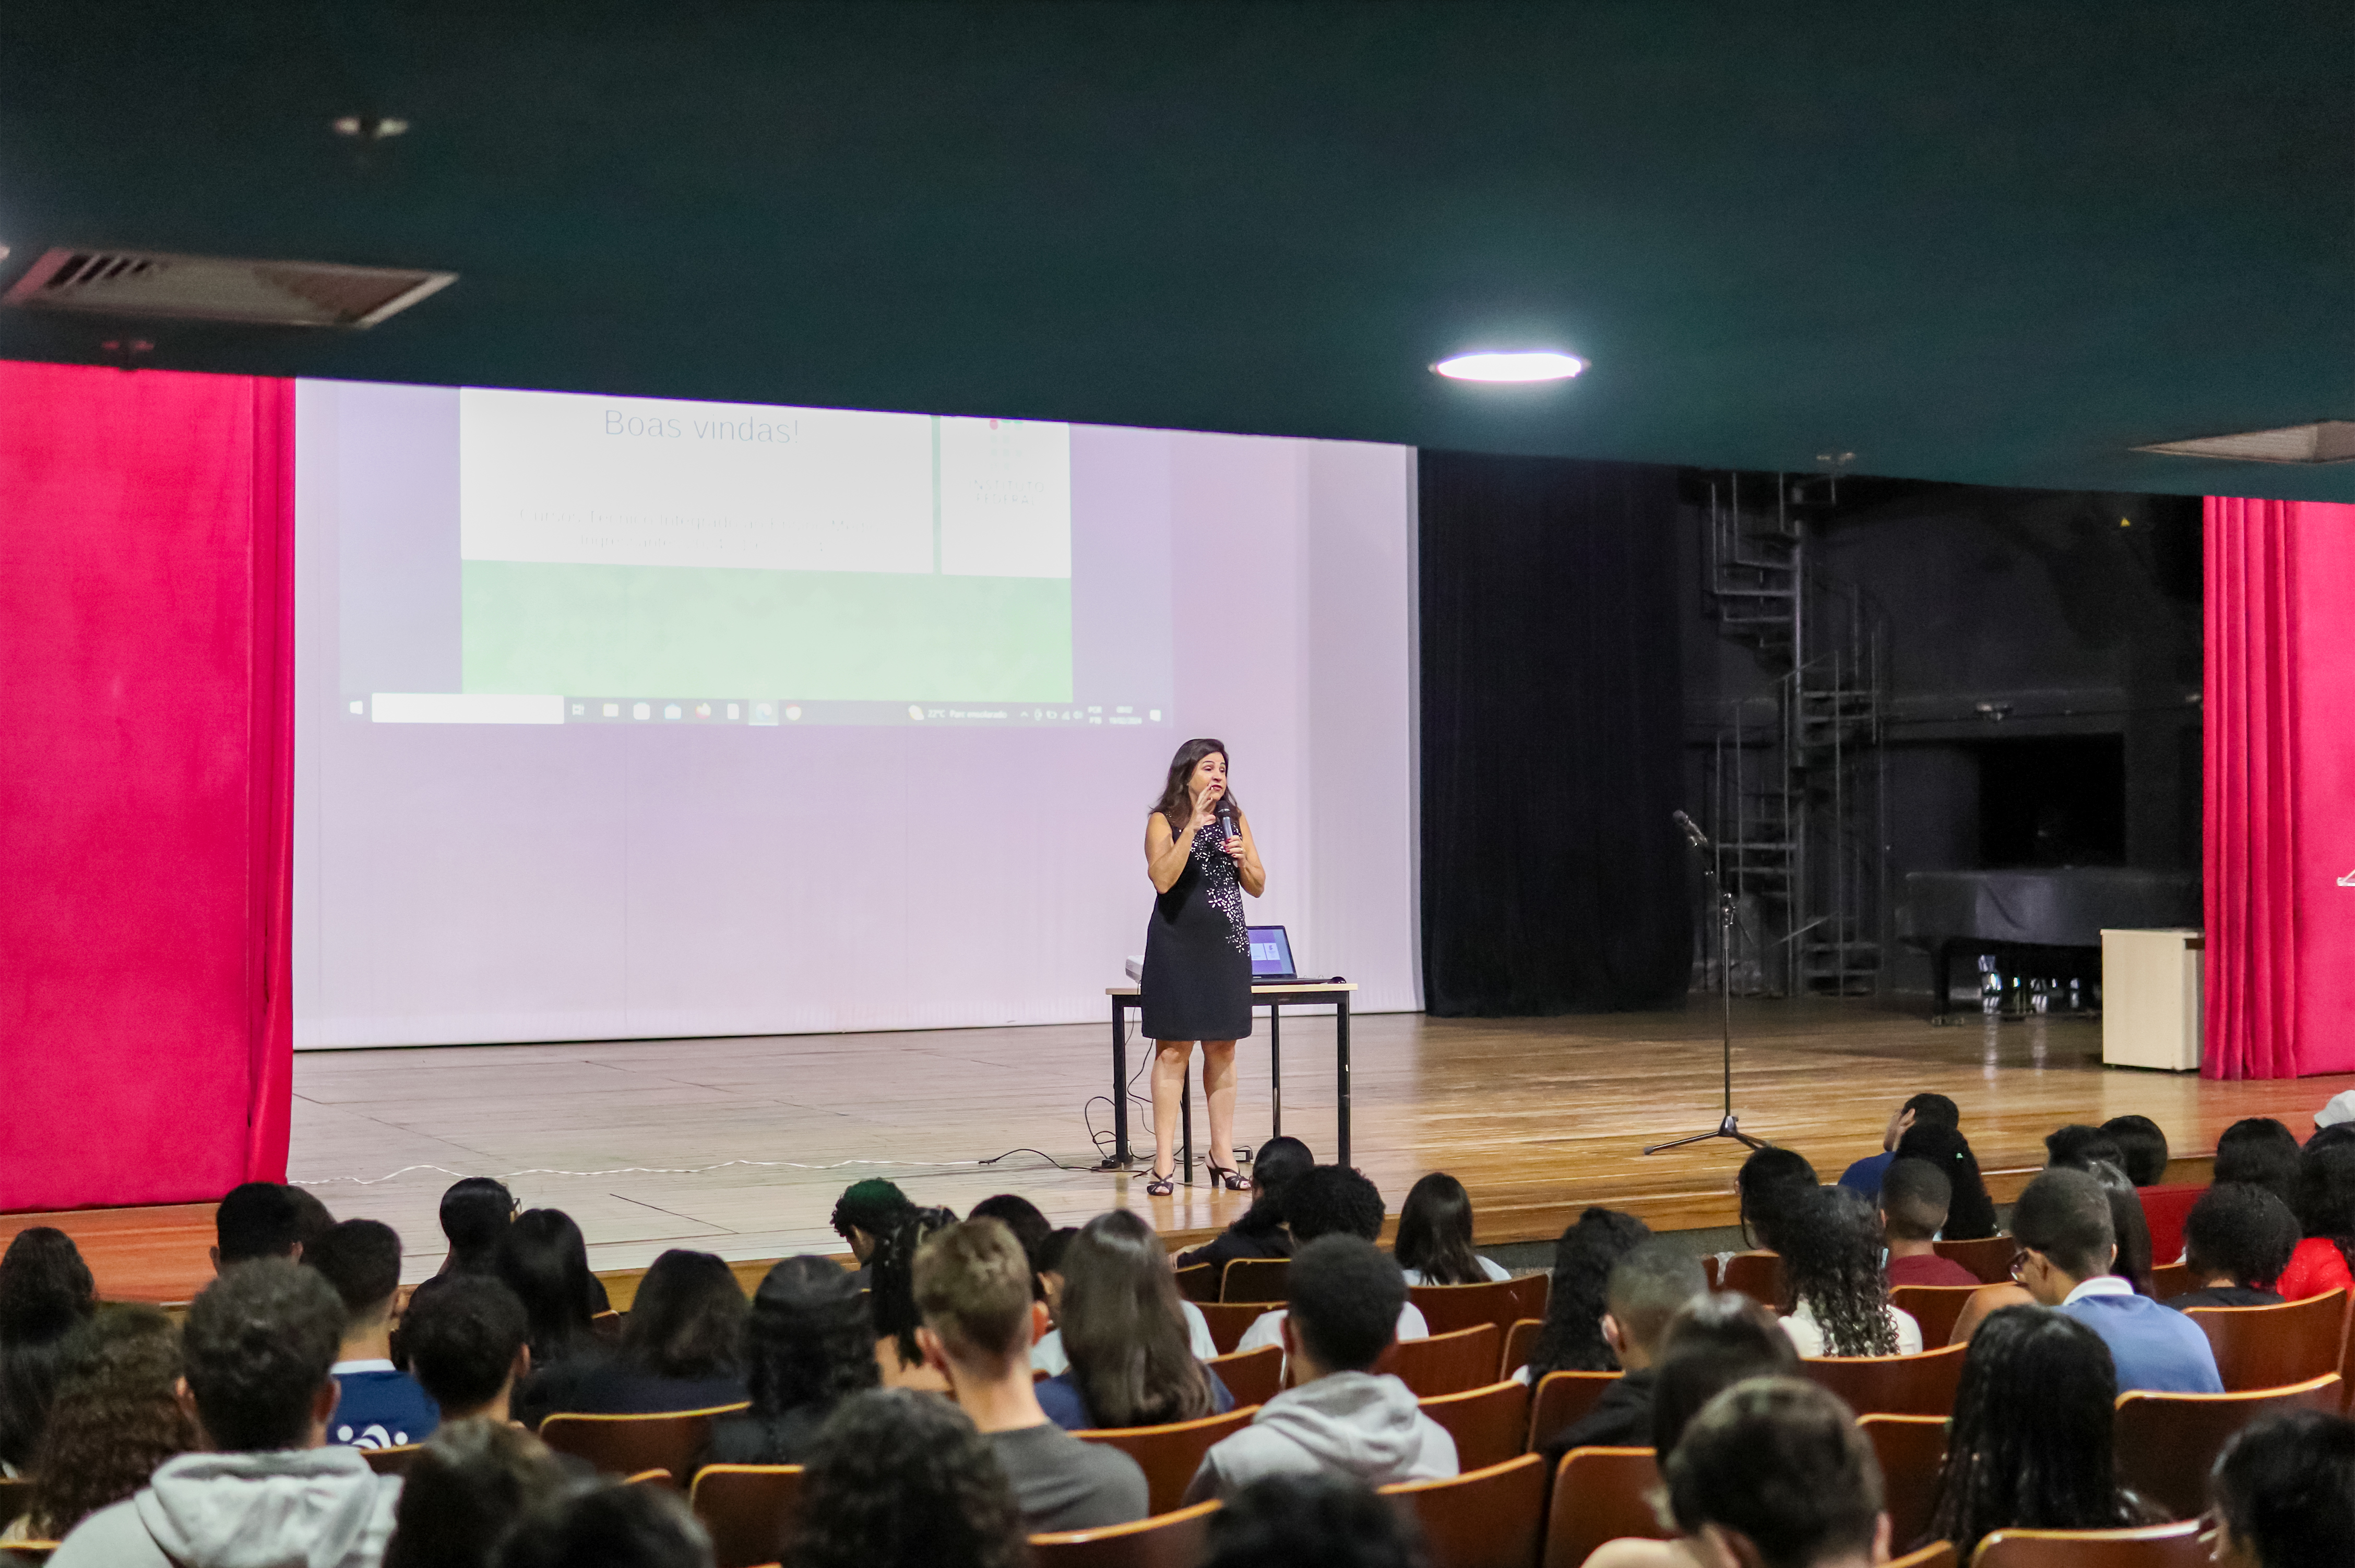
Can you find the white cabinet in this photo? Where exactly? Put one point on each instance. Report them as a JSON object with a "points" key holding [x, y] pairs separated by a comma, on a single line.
{"points": [[2150, 1000]]}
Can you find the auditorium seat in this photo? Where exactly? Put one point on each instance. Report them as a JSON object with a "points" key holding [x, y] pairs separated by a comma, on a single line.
{"points": [[1935, 1307], [1520, 1340], [1912, 1454], [1256, 1279], [1937, 1554], [15, 1497], [2152, 1546], [1169, 1455], [1177, 1539], [1757, 1275], [1489, 1425], [1199, 1282], [1562, 1398], [2168, 1280], [1447, 1307], [1488, 1517], [1922, 1384], [607, 1327], [2166, 1443], [1444, 1363], [1988, 1257], [29, 1551], [2272, 1347], [391, 1461], [1253, 1377], [628, 1445], [748, 1508], [1599, 1495], [2164, 1208], [1228, 1321]]}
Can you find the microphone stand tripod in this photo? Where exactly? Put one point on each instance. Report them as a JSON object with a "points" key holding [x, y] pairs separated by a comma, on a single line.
{"points": [[1727, 1127]]}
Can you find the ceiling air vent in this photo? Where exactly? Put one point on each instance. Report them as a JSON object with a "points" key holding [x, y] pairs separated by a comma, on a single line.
{"points": [[2324, 440], [216, 288]]}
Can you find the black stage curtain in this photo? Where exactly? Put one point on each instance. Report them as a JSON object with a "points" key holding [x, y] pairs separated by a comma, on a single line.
{"points": [[1553, 880]]}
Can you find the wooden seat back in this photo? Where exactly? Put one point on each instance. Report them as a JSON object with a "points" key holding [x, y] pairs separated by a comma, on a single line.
{"points": [[1757, 1275], [1520, 1340], [607, 1326], [2166, 1443], [1919, 1384], [1935, 1307], [750, 1511], [2152, 1546], [1937, 1554], [1253, 1377], [393, 1460], [2272, 1347], [1178, 1540], [631, 1445], [1447, 1307], [2169, 1280], [1169, 1455], [1256, 1279], [29, 1551], [1230, 1320], [1487, 1518], [15, 1497], [1562, 1398], [1199, 1282], [1444, 1363], [1599, 1495], [1988, 1257], [1489, 1425], [1912, 1454]]}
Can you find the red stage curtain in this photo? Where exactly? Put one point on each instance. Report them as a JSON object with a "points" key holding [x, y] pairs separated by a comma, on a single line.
{"points": [[2280, 765], [146, 773]]}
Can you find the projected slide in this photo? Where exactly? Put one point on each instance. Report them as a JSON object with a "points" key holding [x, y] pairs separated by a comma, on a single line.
{"points": [[629, 548]]}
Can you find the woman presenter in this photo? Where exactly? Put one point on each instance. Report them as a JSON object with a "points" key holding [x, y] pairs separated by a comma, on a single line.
{"points": [[1196, 979]]}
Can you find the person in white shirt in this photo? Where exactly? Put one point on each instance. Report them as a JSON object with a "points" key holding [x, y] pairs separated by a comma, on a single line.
{"points": [[1434, 1237], [1831, 1250], [1331, 1200]]}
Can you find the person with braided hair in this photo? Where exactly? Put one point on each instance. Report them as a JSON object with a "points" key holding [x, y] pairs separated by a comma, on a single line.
{"points": [[1837, 1297]]}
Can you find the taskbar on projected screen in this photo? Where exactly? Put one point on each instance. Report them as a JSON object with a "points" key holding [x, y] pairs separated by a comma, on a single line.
{"points": [[518, 708]]}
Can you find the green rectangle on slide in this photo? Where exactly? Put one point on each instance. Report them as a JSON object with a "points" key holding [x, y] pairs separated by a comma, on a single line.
{"points": [[652, 631]]}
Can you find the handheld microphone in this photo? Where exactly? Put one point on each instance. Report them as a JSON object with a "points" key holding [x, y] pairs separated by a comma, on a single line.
{"points": [[1693, 835], [1226, 820]]}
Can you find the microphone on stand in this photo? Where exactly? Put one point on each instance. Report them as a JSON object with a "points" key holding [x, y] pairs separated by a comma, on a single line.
{"points": [[1693, 835]]}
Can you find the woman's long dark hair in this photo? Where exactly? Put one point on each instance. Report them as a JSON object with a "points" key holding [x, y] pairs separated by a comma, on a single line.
{"points": [[2325, 1193], [543, 1259], [1123, 1328], [2030, 1445], [2128, 1223], [809, 1343], [1177, 802], [45, 1292], [900, 1479], [114, 1420], [687, 1319], [1279, 1162], [1831, 1262], [1434, 1232], [1769, 1182], [1970, 1214], [891, 1298], [1571, 1339]]}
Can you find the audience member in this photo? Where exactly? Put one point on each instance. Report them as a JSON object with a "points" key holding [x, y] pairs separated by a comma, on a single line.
{"points": [[543, 1259], [476, 1213], [466, 1489], [2263, 1152], [1711, 1344], [115, 1419], [2285, 1493], [2077, 1147], [1646, 1289], [1333, 1200], [1774, 1472], [682, 1345], [1132, 1362], [1341, 1415], [2143, 1143], [45, 1293], [866, 1212], [1769, 1183], [1914, 1195], [1434, 1237], [468, 1346], [1572, 1338], [312, 1218], [1030, 1227], [2129, 1224], [2066, 1247], [1921, 1110], [973, 1287], [1050, 1265], [809, 1345], [1970, 1213], [891, 1300], [899, 1479], [257, 1349], [1315, 1521], [2326, 1209], [2237, 1239], [1260, 1233], [256, 1219], [380, 1406], [1832, 1279], [611, 1526], [2029, 1447]]}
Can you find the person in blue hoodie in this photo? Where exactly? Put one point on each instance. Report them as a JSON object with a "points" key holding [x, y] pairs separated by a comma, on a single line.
{"points": [[381, 1407], [2067, 1244]]}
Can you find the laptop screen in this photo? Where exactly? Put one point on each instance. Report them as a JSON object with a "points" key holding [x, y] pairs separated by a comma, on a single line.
{"points": [[1271, 953]]}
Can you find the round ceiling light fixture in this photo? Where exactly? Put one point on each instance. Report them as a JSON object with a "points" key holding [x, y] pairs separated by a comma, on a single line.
{"points": [[1519, 364]]}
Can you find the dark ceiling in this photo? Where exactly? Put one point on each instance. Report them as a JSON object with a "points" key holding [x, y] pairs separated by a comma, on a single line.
{"points": [[1995, 243]]}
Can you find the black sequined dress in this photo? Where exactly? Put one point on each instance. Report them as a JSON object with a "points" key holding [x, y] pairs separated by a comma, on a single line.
{"points": [[1197, 981]]}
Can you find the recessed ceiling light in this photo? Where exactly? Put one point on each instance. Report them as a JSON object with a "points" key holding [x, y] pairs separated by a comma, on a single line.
{"points": [[1538, 364]]}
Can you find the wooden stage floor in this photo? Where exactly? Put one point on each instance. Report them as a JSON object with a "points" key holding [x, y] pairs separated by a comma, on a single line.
{"points": [[740, 1146]]}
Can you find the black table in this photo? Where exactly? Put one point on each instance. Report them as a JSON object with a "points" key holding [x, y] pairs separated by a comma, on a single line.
{"points": [[1312, 993]]}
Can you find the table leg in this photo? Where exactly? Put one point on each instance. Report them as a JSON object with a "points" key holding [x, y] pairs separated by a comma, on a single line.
{"points": [[1341, 1059], [1275, 1060], [1121, 1156]]}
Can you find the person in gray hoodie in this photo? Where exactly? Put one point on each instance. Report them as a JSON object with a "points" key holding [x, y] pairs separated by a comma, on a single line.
{"points": [[269, 1492], [1341, 1416]]}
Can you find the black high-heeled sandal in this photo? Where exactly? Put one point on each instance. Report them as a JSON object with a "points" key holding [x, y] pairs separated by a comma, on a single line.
{"points": [[1160, 1186], [1233, 1181]]}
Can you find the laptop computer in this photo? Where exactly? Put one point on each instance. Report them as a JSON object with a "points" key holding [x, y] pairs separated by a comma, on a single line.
{"points": [[1270, 955]]}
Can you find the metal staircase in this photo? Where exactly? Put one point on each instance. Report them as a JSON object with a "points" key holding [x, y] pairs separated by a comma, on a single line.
{"points": [[1797, 801]]}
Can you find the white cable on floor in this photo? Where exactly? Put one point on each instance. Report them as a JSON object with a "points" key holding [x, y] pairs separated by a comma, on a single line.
{"points": [[666, 1169]]}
